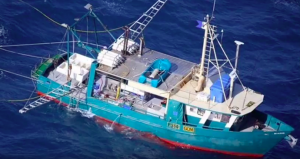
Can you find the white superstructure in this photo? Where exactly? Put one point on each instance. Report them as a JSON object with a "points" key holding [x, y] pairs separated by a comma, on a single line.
{"points": [[79, 67]]}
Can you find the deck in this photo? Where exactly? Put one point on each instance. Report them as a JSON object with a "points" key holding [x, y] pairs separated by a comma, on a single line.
{"points": [[134, 66], [187, 95], [79, 94]]}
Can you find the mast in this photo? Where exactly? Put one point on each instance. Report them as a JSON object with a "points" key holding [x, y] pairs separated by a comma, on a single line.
{"points": [[201, 71], [233, 73], [72, 30]]}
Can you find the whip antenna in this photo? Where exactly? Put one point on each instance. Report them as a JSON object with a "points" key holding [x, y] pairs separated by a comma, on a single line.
{"points": [[222, 31], [213, 10]]}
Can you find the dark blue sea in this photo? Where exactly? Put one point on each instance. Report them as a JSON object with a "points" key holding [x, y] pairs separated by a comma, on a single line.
{"points": [[269, 63]]}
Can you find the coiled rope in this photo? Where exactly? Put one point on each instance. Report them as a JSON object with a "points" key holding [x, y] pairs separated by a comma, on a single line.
{"points": [[81, 31]]}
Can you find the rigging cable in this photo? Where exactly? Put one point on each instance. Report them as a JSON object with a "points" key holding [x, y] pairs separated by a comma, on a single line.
{"points": [[87, 33], [18, 100], [55, 22], [81, 31], [95, 28], [34, 44], [13, 52], [17, 74]]}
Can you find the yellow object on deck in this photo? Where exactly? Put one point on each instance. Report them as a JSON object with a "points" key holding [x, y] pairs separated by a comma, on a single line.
{"points": [[118, 92]]}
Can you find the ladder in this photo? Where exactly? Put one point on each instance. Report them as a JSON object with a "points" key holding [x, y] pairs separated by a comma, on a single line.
{"points": [[73, 103], [138, 26], [34, 104], [59, 91], [210, 38]]}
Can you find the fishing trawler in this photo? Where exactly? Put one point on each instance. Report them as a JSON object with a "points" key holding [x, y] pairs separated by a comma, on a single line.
{"points": [[198, 106]]}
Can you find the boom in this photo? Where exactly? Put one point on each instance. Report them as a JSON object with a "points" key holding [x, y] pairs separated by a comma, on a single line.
{"points": [[138, 26]]}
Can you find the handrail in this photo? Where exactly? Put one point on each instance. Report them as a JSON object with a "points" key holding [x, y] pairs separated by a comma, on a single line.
{"points": [[188, 93]]}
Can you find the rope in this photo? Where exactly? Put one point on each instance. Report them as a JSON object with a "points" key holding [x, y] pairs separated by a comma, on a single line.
{"points": [[13, 52], [57, 23], [50, 43], [35, 44], [18, 100], [17, 74]]}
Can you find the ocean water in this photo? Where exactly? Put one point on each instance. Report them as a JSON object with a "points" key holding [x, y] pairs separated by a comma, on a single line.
{"points": [[269, 63]]}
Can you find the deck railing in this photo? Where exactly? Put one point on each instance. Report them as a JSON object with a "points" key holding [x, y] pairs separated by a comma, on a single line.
{"points": [[190, 97]]}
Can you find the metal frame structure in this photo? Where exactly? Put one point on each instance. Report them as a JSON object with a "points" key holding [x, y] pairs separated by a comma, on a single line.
{"points": [[209, 56], [138, 26]]}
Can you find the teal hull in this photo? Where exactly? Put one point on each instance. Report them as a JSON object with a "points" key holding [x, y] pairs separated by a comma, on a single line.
{"points": [[254, 144]]}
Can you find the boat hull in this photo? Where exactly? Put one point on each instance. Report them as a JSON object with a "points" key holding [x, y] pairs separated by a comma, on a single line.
{"points": [[253, 144]]}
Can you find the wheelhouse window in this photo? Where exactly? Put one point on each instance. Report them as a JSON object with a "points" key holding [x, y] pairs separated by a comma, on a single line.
{"points": [[225, 118], [191, 109], [217, 116], [200, 112]]}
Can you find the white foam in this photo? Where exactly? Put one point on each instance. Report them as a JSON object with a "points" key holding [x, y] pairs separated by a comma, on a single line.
{"points": [[108, 128], [3, 35], [84, 113]]}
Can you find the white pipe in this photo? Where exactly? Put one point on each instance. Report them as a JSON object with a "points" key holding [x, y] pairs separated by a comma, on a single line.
{"points": [[109, 53], [233, 73], [154, 73], [231, 86], [107, 62]]}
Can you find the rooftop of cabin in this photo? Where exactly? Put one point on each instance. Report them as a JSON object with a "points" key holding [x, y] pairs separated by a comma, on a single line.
{"points": [[181, 81], [134, 66], [243, 101]]}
